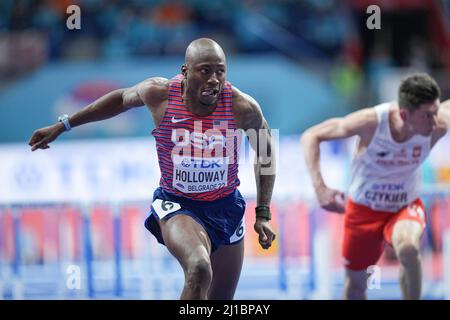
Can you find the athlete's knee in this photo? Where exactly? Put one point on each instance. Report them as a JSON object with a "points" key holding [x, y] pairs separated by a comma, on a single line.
{"points": [[356, 285], [355, 290], [408, 252], [199, 271]]}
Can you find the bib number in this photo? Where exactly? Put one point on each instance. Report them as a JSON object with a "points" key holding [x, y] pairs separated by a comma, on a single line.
{"points": [[163, 207], [238, 233]]}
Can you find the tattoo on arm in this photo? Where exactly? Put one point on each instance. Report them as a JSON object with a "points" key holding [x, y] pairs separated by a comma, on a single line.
{"points": [[261, 139]]}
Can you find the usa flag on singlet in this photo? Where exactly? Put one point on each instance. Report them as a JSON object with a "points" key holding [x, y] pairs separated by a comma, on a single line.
{"points": [[198, 156]]}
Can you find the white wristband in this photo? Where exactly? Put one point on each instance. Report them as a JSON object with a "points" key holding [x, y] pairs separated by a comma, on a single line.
{"points": [[65, 120]]}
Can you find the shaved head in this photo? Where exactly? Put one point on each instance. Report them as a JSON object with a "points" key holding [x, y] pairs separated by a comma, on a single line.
{"points": [[204, 72], [203, 48]]}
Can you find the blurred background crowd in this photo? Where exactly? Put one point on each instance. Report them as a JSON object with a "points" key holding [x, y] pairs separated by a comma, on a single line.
{"points": [[328, 36]]}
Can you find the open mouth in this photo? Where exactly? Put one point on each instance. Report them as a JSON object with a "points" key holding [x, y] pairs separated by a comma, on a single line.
{"points": [[210, 92]]}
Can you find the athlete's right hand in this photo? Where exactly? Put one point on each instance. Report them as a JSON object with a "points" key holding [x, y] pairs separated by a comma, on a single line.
{"points": [[265, 232], [42, 137], [331, 199]]}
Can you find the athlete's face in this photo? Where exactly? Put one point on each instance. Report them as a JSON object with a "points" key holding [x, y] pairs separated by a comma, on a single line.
{"points": [[423, 120], [205, 77]]}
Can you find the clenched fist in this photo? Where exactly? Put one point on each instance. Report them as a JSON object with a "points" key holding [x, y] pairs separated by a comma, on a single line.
{"points": [[42, 137]]}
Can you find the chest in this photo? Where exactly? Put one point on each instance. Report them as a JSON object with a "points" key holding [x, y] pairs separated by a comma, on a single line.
{"points": [[387, 154]]}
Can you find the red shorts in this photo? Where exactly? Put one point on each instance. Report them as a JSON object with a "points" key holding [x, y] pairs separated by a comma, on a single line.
{"points": [[366, 230]]}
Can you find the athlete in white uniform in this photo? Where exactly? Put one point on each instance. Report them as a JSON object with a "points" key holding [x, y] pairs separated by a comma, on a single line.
{"points": [[386, 177], [383, 202]]}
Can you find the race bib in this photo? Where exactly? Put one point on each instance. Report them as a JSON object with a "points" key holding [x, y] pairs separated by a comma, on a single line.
{"points": [[196, 174], [239, 233], [163, 208]]}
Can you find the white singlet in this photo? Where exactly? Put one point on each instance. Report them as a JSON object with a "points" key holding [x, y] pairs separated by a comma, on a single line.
{"points": [[386, 176]]}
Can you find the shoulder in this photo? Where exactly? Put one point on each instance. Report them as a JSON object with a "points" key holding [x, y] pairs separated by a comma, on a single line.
{"points": [[441, 127], [366, 119], [362, 123], [243, 102], [367, 116], [440, 131], [246, 109], [153, 90], [442, 122], [444, 114]]}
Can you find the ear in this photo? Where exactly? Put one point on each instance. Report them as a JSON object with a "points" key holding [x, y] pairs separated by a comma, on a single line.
{"points": [[183, 70], [404, 114]]}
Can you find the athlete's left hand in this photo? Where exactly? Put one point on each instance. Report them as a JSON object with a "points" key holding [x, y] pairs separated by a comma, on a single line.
{"points": [[265, 232]]}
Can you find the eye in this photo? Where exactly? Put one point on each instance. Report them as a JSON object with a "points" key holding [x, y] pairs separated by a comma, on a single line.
{"points": [[204, 71], [220, 71]]}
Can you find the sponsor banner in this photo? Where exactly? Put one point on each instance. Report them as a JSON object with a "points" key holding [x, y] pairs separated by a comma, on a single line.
{"points": [[127, 170]]}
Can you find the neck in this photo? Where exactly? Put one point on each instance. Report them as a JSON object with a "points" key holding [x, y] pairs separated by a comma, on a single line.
{"points": [[399, 128]]}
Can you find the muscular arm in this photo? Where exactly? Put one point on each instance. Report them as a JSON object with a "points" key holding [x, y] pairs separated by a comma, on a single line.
{"points": [[250, 118], [150, 92], [361, 123], [264, 165]]}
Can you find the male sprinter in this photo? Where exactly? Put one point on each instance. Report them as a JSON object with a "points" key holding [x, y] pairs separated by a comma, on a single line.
{"points": [[383, 203], [197, 211]]}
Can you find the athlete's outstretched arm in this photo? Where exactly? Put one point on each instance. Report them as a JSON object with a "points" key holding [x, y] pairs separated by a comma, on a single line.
{"points": [[250, 118], [362, 123], [149, 92]]}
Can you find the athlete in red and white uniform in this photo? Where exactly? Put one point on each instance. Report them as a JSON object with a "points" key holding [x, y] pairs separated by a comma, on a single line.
{"points": [[385, 177], [197, 211], [203, 162], [383, 202]]}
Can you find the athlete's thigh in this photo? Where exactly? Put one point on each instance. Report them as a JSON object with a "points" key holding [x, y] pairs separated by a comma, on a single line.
{"points": [[185, 238], [407, 226], [362, 246], [226, 264]]}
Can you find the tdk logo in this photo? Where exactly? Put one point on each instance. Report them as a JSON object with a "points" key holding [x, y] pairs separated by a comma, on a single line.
{"points": [[205, 163], [388, 187]]}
